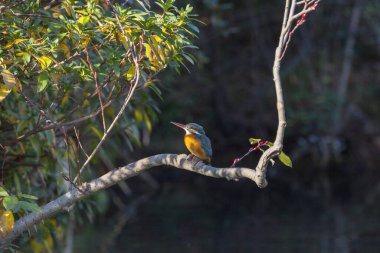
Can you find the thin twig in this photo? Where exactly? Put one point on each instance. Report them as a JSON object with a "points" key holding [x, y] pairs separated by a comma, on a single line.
{"points": [[72, 183], [95, 75], [79, 142]]}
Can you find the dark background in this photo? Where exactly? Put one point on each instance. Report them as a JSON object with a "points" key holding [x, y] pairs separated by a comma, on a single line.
{"points": [[328, 201]]}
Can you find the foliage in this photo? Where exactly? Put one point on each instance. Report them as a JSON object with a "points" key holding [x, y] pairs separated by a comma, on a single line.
{"points": [[67, 64], [284, 158]]}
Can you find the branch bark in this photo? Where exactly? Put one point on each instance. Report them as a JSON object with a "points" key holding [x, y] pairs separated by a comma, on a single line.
{"points": [[122, 173], [288, 21]]}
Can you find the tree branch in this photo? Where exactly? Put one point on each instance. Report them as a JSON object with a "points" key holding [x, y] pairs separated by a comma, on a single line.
{"points": [[123, 173], [275, 150]]}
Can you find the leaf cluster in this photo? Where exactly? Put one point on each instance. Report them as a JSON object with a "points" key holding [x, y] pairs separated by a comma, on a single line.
{"points": [[52, 57]]}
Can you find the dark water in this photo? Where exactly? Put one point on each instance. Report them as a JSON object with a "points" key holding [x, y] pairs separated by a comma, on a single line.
{"points": [[210, 215]]}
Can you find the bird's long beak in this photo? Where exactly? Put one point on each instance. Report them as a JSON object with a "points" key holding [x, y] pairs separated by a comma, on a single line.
{"points": [[179, 125]]}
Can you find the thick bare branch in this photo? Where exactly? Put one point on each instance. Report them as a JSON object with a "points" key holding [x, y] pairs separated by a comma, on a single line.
{"points": [[123, 173]]}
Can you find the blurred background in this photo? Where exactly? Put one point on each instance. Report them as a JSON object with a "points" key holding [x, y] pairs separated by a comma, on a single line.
{"points": [[328, 201]]}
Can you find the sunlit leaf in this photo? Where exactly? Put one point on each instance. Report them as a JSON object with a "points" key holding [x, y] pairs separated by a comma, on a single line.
{"points": [[11, 82], [44, 61], [253, 141], [15, 42], [8, 45], [131, 72], [148, 51], [83, 20], [18, 41], [9, 78], [156, 38], [6, 222], [4, 91], [285, 159], [123, 40], [148, 123], [138, 115]]}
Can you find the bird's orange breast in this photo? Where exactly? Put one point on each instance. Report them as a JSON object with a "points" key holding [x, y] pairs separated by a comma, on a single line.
{"points": [[195, 147]]}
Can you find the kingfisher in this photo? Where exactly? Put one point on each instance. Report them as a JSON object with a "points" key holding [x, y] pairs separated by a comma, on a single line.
{"points": [[196, 141]]}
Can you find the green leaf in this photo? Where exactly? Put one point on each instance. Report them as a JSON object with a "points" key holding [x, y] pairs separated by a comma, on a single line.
{"points": [[3, 192], [11, 203], [27, 196], [148, 123], [83, 20], [253, 141], [155, 89], [10, 81], [36, 145], [69, 9], [116, 69], [96, 132], [29, 206], [43, 80], [194, 28], [4, 91], [138, 115], [188, 58], [16, 41], [26, 57], [131, 72], [9, 78], [44, 61], [285, 159], [17, 183]]}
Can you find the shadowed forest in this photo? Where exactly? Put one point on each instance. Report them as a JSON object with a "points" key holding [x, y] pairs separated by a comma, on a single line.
{"points": [[329, 201]]}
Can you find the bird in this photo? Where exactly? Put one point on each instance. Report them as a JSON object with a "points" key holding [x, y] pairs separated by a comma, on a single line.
{"points": [[196, 141]]}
